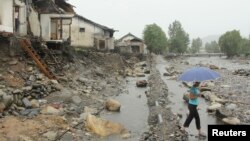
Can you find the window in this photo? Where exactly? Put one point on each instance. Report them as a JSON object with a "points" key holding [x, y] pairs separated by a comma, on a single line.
{"points": [[81, 29]]}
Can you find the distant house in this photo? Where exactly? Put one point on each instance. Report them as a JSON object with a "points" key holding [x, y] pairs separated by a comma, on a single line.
{"points": [[13, 17], [88, 34], [131, 44]]}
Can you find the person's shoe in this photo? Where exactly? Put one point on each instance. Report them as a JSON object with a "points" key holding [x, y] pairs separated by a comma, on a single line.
{"points": [[201, 134]]}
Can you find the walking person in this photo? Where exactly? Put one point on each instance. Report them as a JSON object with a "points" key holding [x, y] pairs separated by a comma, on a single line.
{"points": [[192, 107]]}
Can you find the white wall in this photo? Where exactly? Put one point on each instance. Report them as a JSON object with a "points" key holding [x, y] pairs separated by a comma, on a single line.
{"points": [[22, 17], [6, 15], [34, 22], [86, 39], [45, 23]]}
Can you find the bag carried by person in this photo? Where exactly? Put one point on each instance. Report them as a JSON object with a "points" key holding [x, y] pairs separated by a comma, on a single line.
{"points": [[192, 96]]}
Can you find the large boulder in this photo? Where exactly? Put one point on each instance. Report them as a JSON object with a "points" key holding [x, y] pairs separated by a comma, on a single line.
{"points": [[103, 127], [113, 105], [213, 67], [231, 120], [214, 106], [223, 113]]}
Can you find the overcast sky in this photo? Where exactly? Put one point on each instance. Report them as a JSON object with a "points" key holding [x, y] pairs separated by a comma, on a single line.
{"points": [[199, 18]]}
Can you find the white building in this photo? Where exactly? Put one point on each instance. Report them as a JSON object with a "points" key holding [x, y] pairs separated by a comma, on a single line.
{"points": [[131, 44], [88, 34]]}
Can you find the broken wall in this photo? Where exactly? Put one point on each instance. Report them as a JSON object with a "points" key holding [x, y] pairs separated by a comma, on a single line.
{"points": [[6, 16], [86, 37], [22, 17], [46, 25], [34, 22]]}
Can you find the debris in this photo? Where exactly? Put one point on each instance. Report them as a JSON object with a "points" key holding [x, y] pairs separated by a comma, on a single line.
{"points": [[103, 127]]}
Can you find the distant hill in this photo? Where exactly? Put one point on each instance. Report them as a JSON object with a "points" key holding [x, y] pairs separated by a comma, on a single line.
{"points": [[210, 38]]}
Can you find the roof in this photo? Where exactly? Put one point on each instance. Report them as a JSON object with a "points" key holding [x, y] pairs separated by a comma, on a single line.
{"points": [[129, 34], [50, 7], [96, 24]]}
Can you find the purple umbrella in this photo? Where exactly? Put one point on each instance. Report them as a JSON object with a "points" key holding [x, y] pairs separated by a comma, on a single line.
{"points": [[198, 74]]}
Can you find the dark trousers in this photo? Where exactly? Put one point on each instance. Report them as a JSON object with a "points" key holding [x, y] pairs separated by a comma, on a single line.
{"points": [[193, 113]]}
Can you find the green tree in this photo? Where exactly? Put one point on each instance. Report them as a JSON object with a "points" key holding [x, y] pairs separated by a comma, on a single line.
{"points": [[196, 45], [230, 43], [212, 47], [245, 47], [155, 38], [178, 38]]}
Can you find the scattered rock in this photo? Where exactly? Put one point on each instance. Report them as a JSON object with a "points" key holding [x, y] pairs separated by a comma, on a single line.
{"points": [[140, 75], [76, 99], [90, 110], [82, 79], [40, 76], [51, 135], [113, 105], [242, 72], [2, 107], [231, 106], [13, 62], [54, 81], [26, 103], [147, 71], [49, 110], [29, 69], [141, 83], [27, 88], [231, 120], [67, 137], [126, 135], [30, 112], [214, 106], [35, 103], [213, 67], [167, 74], [223, 113]]}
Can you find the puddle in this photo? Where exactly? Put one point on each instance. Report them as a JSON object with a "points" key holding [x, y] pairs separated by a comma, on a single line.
{"points": [[134, 111]]}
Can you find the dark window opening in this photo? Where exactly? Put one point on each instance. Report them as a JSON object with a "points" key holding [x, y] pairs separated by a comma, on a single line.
{"points": [[81, 29], [101, 44], [135, 49]]}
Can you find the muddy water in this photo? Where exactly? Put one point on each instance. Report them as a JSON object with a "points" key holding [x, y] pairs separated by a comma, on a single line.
{"points": [[176, 91], [134, 111]]}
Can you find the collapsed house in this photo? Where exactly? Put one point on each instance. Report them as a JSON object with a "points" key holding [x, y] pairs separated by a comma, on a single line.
{"points": [[54, 21], [35, 26], [86, 34], [131, 44]]}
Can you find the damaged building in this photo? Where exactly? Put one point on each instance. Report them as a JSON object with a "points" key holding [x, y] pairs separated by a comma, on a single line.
{"points": [[13, 15], [55, 22], [131, 44], [55, 18], [88, 34]]}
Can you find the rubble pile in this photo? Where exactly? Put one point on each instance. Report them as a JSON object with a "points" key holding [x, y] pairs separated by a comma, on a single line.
{"points": [[242, 72]]}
